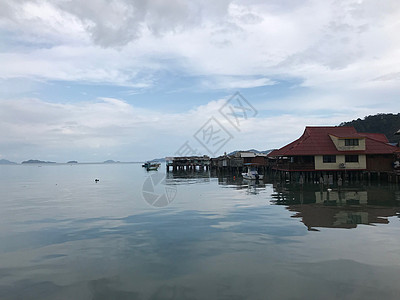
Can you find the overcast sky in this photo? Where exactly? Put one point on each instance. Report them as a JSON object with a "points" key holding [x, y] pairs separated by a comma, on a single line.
{"points": [[132, 80]]}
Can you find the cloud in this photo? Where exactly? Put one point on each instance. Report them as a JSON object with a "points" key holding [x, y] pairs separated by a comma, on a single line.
{"points": [[109, 23], [344, 42], [389, 77], [113, 128], [236, 82], [308, 62], [100, 125]]}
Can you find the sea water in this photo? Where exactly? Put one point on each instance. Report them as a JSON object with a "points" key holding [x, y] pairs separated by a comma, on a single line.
{"points": [[150, 235]]}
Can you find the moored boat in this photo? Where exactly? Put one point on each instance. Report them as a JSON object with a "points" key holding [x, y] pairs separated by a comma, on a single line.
{"points": [[252, 173], [152, 166]]}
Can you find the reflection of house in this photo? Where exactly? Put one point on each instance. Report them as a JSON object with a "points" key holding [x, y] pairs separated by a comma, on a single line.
{"points": [[346, 207], [318, 215], [342, 197], [335, 150]]}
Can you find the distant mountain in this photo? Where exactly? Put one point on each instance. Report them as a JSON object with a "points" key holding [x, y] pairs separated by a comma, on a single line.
{"points": [[387, 124], [158, 160], [251, 150], [6, 162], [110, 161], [35, 161]]}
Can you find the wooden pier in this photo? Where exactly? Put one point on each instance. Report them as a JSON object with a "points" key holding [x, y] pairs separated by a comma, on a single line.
{"points": [[232, 164], [188, 163]]}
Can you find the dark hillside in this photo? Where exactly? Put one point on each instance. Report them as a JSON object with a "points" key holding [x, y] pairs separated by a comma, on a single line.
{"points": [[387, 124]]}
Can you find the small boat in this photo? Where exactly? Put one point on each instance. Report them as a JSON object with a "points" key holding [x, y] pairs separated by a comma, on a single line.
{"points": [[252, 173], [153, 166]]}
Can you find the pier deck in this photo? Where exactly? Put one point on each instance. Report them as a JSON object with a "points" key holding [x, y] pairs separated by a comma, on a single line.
{"points": [[188, 163]]}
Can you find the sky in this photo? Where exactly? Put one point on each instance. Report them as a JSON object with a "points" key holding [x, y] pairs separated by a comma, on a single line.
{"points": [[132, 80]]}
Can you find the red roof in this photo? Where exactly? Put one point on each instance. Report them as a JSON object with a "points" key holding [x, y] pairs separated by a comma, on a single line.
{"points": [[317, 141], [376, 136]]}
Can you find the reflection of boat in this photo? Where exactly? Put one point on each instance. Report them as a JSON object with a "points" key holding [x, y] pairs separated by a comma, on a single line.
{"points": [[252, 189], [247, 182], [152, 166], [252, 173]]}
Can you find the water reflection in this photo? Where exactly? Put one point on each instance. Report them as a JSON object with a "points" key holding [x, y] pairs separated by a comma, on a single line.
{"points": [[219, 239], [316, 205], [323, 206], [338, 208], [187, 177]]}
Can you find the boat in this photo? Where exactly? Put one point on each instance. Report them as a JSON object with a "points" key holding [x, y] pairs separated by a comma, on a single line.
{"points": [[252, 173], [152, 166]]}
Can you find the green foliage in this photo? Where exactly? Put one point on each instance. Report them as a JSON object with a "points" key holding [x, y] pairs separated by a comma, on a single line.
{"points": [[387, 124]]}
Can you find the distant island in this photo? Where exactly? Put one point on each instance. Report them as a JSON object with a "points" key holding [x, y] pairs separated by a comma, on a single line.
{"points": [[35, 161], [72, 162], [6, 162], [251, 150], [110, 161], [158, 160]]}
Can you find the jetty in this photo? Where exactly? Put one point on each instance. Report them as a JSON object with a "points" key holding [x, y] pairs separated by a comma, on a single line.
{"points": [[232, 163], [188, 163]]}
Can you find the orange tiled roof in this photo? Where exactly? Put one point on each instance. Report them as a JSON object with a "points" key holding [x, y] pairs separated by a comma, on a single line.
{"points": [[317, 141]]}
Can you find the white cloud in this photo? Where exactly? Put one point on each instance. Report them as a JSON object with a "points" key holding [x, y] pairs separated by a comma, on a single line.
{"points": [[344, 56], [109, 126], [113, 42], [236, 82], [103, 124]]}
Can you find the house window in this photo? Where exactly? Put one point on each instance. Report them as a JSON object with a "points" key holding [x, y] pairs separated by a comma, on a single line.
{"points": [[351, 142], [351, 158], [329, 159]]}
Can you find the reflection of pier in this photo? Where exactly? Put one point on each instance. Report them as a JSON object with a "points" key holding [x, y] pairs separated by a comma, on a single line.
{"points": [[188, 163], [185, 178]]}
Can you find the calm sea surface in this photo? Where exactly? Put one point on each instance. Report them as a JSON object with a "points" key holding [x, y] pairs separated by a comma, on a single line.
{"points": [[64, 236]]}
